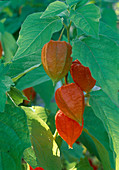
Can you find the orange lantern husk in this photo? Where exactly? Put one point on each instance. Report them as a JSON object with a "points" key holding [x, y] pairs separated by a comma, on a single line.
{"points": [[30, 94], [67, 128], [56, 60], [82, 76], [70, 100]]}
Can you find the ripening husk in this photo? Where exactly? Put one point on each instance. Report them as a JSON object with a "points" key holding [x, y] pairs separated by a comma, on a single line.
{"points": [[56, 59], [67, 128], [82, 76], [70, 100], [30, 94]]}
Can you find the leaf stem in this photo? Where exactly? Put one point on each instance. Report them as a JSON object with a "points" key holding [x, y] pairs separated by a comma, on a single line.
{"points": [[61, 34], [68, 37], [55, 134], [26, 71], [65, 79]]}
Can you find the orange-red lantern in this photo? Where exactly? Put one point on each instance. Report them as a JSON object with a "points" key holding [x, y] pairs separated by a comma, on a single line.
{"points": [[56, 59], [67, 128]]}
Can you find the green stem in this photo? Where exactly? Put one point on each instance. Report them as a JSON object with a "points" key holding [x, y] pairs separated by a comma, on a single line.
{"points": [[68, 37], [55, 134], [61, 34], [88, 98], [26, 71]]}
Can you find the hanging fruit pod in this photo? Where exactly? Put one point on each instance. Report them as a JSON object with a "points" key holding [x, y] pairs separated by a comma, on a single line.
{"points": [[56, 59], [70, 100], [30, 94], [67, 128], [82, 76]]}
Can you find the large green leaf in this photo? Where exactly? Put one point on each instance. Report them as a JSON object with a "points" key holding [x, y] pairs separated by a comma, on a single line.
{"points": [[33, 78], [87, 19], [16, 95], [94, 127], [5, 83], [101, 56], [70, 2], [107, 31], [35, 32], [46, 91], [13, 24], [14, 137], [109, 17], [72, 155], [108, 112], [54, 9], [88, 142], [9, 46], [30, 157], [45, 147]]}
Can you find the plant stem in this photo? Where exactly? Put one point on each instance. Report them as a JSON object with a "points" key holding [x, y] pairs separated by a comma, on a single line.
{"points": [[88, 98], [61, 34], [55, 134], [65, 78], [26, 71], [68, 37]]}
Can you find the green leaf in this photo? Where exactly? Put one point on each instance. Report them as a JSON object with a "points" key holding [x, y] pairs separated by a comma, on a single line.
{"points": [[54, 9], [5, 83], [109, 17], [14, 137], [87, 19], [84, 164], [46, 91], [33, 78], [107, 31], [72, 155], [13, 24], [70, 2], [88, 142], [30, 157], [100, 137], [108, 112], [15, 4], [35, 32], [37, 111], [45, 147], [1, 28], [16, 95], [101, 56], [9, 46]]}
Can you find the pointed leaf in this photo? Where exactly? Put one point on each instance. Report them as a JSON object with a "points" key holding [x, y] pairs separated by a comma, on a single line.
{"points": [[14, 137], [108, 112], [87, 19], [16, 95], [45, 147], [54, 9], [100, 137]]}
